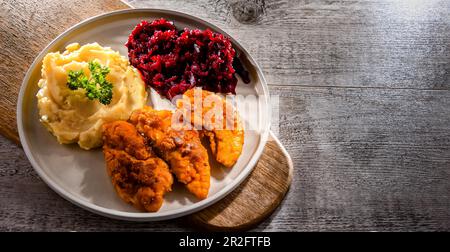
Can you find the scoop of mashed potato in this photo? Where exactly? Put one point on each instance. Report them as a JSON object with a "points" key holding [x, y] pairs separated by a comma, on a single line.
{"points": [[69, 114]]}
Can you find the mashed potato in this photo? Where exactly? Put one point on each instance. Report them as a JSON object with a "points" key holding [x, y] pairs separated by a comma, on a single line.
{"points": [[70, 115]]}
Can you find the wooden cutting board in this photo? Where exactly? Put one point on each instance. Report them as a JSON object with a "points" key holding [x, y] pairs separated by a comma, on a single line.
{"points": [[26, 27]]}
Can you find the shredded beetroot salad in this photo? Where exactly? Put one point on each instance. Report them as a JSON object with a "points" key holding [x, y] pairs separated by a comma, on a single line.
{"points": [[174, 61]]}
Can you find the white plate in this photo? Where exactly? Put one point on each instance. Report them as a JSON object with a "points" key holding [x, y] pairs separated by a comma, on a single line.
{"points": [[80, 176]]}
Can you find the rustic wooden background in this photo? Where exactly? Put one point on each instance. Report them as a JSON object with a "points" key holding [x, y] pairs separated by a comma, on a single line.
{"points": [[364, 91]]}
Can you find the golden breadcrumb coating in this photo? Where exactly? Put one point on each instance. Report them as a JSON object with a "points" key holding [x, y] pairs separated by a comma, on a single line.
{"points": [[181, 149], [225, 131], [138, 175]]}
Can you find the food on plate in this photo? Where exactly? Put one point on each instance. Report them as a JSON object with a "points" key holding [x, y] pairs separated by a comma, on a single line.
{"points": [[220, 123], [173, 61], [138, 175], [74, 92], [181, 149], [92, 96]]}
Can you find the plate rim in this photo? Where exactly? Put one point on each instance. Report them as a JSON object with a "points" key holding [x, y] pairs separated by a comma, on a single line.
{"points": [[144, 216]]}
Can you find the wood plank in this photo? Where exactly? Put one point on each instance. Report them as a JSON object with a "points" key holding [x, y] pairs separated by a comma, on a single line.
{"points": [[19, 48], [365, 159], [347, 43]]}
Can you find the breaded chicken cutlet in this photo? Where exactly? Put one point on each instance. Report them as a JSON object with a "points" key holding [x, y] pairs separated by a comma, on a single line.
{"points": [[181, 149], [138, 175], [225, 132]]}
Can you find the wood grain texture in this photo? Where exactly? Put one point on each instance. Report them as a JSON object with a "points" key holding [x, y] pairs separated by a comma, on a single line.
{"points": [[255, 199], [365, 159], [18, 48], [364, 113]]}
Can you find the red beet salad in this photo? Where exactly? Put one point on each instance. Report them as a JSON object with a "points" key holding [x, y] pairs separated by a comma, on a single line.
{"points": [[173, 61]]}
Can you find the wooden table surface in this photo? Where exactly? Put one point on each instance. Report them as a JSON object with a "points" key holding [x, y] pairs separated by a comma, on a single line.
{"points": [[364, 102]]}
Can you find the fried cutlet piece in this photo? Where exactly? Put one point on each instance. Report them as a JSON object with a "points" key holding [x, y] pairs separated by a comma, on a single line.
{"points": [[181, 149], [138, 175], [220, 122]]}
